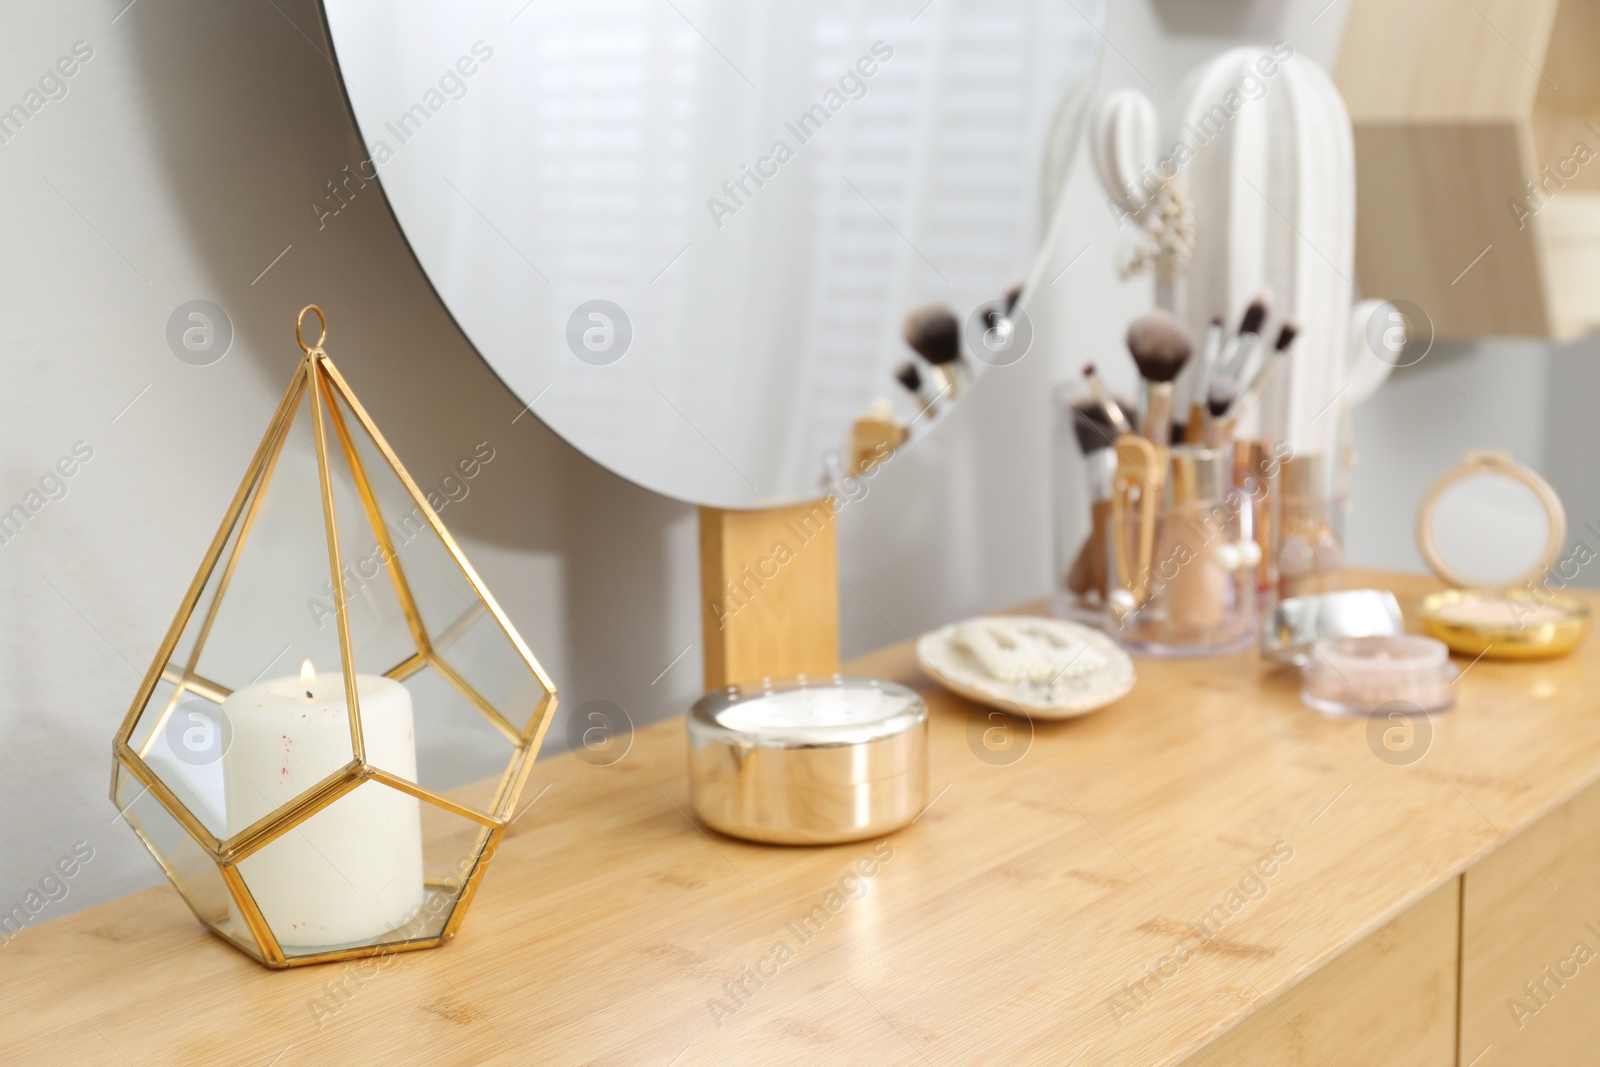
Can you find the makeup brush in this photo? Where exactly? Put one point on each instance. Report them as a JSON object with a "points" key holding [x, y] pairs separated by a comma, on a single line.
{"points": [[909, 376], [934, 333], [1286, 337], [1243, 347], [1160, 345], [1220, 397], [1194, 429], [1134, 459], [1252, 395], [1092, 425], [1108, 403], [1095, 433]]}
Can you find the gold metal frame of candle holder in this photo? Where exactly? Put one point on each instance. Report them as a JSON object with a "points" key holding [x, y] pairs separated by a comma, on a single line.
{"points": [[316, 373]]}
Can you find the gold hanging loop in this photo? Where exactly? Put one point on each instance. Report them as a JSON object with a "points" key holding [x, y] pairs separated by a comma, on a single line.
{"points": [[322, 333]]}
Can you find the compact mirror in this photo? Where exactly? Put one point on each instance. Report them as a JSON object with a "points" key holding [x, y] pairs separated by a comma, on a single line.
{"points": [[685, 232], [1491, 524], [1495, 531]]}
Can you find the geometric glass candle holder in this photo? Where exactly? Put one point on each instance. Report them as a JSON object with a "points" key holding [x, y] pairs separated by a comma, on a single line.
{"points": [[330, 743]]}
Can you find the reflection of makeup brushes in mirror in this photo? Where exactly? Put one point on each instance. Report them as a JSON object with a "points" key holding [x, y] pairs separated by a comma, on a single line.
{"points": [[999, 315], [934, 332], [909, 376], [1160, 346], [1108, 403], [1013, 295], [1194, 429]]}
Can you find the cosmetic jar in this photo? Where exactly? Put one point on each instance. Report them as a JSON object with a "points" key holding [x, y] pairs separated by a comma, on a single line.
{"points": [[809, 761], [1195, 597], [1295, 624], [1359, 675], [1495, 532]]}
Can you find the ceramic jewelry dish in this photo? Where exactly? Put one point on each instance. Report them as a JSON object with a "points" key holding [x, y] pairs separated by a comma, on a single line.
{"points": [[1046, 668]]}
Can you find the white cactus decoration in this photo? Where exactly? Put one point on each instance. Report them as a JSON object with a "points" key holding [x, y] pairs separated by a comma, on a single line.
{"points": [[1262, 145], [1273, 178], [1122, 139]]}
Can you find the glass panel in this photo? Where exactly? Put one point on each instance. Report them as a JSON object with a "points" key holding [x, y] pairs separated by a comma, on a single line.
{"points": [[429, 726], [464, 634], [277, 609], [186, 753], [450, 848], [285, 730], [347, 876], [191, 869], [479, 652], [459, 752], [380, 635], [157, 710]]}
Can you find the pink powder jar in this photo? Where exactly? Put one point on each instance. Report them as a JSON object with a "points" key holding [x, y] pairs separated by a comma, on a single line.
{"points": [[1360, 675]]}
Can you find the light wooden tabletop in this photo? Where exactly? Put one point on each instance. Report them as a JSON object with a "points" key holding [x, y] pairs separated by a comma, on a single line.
{"points": [[994, 930]]}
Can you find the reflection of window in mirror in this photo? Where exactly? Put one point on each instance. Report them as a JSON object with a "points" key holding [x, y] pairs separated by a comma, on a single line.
{"points": [[761, 189]]}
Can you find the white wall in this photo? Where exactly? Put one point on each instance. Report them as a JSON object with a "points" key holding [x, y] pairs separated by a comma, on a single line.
{"points": [[182, 161]]}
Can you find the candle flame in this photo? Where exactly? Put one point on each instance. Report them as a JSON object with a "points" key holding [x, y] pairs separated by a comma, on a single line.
{"points": [[308, 674]]}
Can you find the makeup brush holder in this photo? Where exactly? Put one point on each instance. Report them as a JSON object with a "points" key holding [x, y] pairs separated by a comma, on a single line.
{"points": [[1183, 587], [1308, 534]]}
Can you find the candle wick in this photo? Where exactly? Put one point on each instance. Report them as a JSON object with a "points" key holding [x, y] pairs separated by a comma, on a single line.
{"points": [[308, 695]]}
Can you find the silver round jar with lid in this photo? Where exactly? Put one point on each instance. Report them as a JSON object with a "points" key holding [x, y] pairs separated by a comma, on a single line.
{"points": [[809, 761]]}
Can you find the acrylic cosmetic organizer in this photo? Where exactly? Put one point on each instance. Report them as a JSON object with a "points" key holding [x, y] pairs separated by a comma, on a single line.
{"points": [[1307, 538], [1173, 576], [1179, 573]]}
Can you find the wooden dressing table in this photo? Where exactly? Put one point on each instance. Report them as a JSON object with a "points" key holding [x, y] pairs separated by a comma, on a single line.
{"points": [[1014, 922]]}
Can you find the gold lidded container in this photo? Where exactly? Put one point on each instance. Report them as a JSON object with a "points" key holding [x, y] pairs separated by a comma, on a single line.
{"points": [[809, 761], [1519, 618]]}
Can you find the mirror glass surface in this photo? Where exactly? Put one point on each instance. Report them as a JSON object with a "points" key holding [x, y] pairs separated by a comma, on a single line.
{"points": [[685, 232], [1490, 528]]}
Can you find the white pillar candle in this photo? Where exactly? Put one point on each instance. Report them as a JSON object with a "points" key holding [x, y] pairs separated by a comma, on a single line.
{"points": [[353, 871]]}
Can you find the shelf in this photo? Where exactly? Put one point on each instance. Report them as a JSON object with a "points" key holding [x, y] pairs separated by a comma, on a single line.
{"points": [[1456, 108]]}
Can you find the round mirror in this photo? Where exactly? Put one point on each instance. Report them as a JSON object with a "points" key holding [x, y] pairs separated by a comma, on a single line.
{"points": [[686, 232], [1491, 524]]}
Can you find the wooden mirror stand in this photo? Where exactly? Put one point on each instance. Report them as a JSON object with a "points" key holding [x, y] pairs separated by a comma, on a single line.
{"points": [[769, 593]]}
